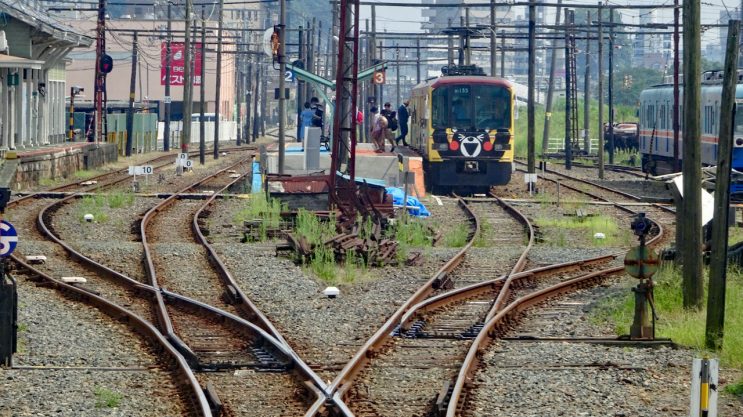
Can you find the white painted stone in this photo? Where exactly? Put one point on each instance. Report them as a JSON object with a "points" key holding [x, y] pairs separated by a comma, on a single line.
{"points": [[88, 217], [36, 259], [331, 292], [74, 280], [599, 235]]}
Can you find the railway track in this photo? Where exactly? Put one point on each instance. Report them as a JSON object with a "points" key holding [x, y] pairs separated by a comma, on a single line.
{"points": [[136, 299], [218, 340], [405, 370]]}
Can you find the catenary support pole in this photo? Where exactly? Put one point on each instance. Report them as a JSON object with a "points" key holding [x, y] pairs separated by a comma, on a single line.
{"points": [[132, 87], [168, 98], [691, 213], [568, 81], [600, 92], [676, 99], [586, 94], [611, 86], [282, 85], [719, 255], [550, 88], [202, 91], [493, 40], [531, 108], [218, 86], [187, 81]]}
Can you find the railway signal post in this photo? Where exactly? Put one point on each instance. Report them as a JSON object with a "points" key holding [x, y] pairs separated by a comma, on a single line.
{"points": [[642, 263]]}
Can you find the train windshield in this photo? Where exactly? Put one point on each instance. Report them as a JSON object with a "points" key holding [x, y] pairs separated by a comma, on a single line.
{"points": [[466, 106], [738, 123]]}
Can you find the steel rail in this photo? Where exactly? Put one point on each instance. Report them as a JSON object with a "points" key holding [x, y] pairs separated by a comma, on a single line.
{"points": [[344, 379], [602, 187], [488, 332], [471, 290], [162, 315], [520, 264], [186, 377], [163, 296], [244, 304]]}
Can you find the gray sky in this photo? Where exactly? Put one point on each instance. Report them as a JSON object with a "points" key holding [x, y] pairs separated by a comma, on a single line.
{"points": [[408, 19]]}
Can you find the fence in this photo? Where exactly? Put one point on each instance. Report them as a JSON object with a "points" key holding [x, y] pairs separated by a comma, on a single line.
{"points": [[557, 145]]}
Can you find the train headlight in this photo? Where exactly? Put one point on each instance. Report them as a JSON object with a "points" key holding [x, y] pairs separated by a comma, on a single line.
{"points": [[443, 146], [738, 143]]}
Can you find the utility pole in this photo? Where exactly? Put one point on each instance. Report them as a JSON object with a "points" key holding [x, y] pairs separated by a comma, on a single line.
{"points": [[397, 82], [100, 76], [377, 88], [550, 88], [300, 84], [418, 61], [218, 88], [568, 81], [503, 53], [187, 81], [531, 108], [676, 114], [248, 96], [586, 93], [282, 86], [202, 92], [467, 49], [611, 86], [256, 121], [493, 56], [719, 254], [601, 91], [132, 87], [690, 217], [450, 47], [168, 98]]}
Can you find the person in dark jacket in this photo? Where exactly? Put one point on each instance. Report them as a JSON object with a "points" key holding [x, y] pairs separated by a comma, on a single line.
{"points": [[402, 118]]}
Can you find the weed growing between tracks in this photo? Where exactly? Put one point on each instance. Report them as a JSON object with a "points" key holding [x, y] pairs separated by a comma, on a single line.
{"points": [[580, 231], [683, 326], [104, 397], [267, 211], [98, 204]]}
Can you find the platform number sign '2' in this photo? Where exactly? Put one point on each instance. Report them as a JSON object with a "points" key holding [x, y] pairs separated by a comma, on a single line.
{"points": [[8, 238]]}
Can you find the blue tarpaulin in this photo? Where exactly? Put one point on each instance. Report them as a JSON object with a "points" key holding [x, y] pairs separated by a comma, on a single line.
{"points": [[257, 180], [414, 206]]}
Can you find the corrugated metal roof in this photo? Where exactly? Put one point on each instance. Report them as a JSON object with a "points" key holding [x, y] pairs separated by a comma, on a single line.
{"points": [[40, 19]]}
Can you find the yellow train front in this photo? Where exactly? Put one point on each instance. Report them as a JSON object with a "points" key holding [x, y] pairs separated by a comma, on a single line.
{"points": [[462, 125]]}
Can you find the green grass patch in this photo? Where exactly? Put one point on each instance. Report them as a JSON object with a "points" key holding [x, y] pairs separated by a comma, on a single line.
{"points": [[685, 327], [562, 232], [735, 389], [410, 232], [481, 241], [106, 398], [557, 122], [98, 205], [95, 205], [84, 174], [457, 237], [735, 235], [261, 208]]}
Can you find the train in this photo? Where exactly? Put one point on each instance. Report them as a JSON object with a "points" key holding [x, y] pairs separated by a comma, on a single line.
{"points": [[656, 126], [462, 124]]}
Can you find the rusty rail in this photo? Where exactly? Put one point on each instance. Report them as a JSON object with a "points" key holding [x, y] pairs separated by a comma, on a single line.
{"points": [[342, 382]]}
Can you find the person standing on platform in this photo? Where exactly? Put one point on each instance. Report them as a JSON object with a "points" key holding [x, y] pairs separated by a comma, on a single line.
{"points": [[379, 127], [402, 118], [305, 118]]}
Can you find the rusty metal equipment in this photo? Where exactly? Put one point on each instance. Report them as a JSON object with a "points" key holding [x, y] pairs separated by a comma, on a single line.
{"points": [[642, 263]]}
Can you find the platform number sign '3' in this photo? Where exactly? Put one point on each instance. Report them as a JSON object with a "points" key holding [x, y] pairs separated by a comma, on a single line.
{"points": [[8, 238]]}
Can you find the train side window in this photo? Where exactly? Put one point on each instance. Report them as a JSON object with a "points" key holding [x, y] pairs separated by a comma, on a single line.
{"points": [[663, 117]]}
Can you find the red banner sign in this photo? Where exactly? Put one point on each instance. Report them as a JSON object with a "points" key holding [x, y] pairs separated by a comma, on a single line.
{"points": [[178, 63]]}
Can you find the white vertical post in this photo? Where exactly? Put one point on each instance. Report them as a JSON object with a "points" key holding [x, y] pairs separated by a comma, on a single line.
{"points": [[5, 108], [704, 379]]}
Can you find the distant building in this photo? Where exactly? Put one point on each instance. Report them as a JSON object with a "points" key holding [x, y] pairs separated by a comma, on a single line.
{"points": [[33, 49], [652, 50]]}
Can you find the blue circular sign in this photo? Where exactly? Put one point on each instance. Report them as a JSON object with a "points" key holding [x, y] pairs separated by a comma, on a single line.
{"points": [[8, 238]]}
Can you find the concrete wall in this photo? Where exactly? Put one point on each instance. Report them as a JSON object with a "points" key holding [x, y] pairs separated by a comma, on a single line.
{"points": [[61, 164]]}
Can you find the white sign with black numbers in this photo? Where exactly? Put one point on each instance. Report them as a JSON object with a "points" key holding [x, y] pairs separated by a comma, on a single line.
{"points": [[183, 161], [141, 170]]}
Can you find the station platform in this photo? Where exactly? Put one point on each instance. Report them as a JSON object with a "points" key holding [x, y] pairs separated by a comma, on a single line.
{"points": [[381, 168], [25, 168]]}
